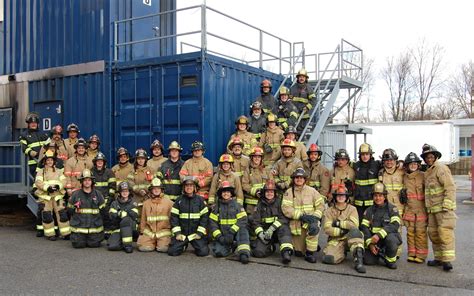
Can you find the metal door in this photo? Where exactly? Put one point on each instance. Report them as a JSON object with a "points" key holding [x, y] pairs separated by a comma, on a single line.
{"points": [[50, 113], [6, 125]]}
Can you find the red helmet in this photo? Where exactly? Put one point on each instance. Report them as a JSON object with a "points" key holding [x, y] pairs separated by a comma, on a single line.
{"points": [[314, 148]]}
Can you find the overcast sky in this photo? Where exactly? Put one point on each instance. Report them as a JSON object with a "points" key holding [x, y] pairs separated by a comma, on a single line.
{"points": [[380, 28]]}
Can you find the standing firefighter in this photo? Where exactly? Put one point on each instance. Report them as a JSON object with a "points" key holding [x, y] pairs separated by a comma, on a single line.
{"points": [[50, 183], [189, 218], [87, 209], [198, 167], [241, 132], [241, 162], [226, 173], [73, 133], [342, 174], [268, 101], [93, 146], [304, 206], [123, 216], [157, 159], [303, 97], [228, 226], [318, 174], [155, 227], [415, 216], [123, 168], [286, 165], [380, 226], [257, 120], [56, 138], [440, 201], [140, 178], [169, 172], [271, 140], [32, 141], [287, 112], [292, 134], [341, 224], [391, 175], [270, 225], [75, 165]]}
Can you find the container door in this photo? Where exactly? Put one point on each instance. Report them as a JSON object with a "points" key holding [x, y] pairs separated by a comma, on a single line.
{"points": [[6, 125], [50, 113]]}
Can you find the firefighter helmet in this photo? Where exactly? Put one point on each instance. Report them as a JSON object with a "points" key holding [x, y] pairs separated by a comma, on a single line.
{"points": [[299, 172], [49, 154], [86, 173], [99, 156], [32, 117], [265, 83], [341, 154], [302, 72], [57, 130], [284, 91], [122, 151], [226, 158], [389, 154], [236, 141], [196, 145], [156, 182], [427, 149], [225, 186], [242, 120], [365, 148], [314, 148], [269, 185], [271, 118], [94, 138], [156, 144], [341, 190], [73, 128], [288, 143], [380, 188], [140, 152], [50, 144], [412, 157], [123, 186], [256, 151], [257, 105], [190, 180], [175, 145], [291, 130], [80, 142]]}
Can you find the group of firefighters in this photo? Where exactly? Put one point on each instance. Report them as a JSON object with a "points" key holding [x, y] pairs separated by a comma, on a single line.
{"points": [[267, 192]]}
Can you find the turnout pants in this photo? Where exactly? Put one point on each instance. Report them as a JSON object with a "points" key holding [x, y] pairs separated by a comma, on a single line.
{"points": [[388, 250], [281, 236], [122, 236], [177, 247], [337, 247], [305, 242], [417, 237], [150, 241], [53, 208], [82, 240], [441, 232], [241, 242]]}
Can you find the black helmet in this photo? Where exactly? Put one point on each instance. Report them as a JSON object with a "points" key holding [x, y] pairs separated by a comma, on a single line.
{"points": [[412, 157], [123, 186], [32, 117], [80, 142], [291, 129], [141, 153], [94, 138], [156, 144], [225, 186], [341, 190], [427, 148], [73, 127], [99, 156], [389, 154], [341, 154], [197, 145], [299, 172], [122, 151]]}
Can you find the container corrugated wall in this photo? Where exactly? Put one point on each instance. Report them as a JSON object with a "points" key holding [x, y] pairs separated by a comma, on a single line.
{"points": [[330, 142]]}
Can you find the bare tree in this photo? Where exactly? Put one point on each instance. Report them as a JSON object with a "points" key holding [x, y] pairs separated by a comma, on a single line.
{"points": [[353, 107], [397, 74], [460, 88], [445, 109], [427, 62]]}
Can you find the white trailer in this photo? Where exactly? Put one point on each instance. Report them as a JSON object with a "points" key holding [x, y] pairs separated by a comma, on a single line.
{"points": [[409, 136]]}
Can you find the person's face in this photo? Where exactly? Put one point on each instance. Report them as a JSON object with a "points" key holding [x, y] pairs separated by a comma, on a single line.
{"points": [[72, 134], [156, 151], [271, 124], [287, 151], [156, 191], [256, 160], [174, 153], [93, 145], [256, 111], [266, 89], [225, 166], [299, 181], [124, 194], [242, 126], [141, 161], [81, 150], [413, 166], [33, 125], [237, 150], [341, 199], [226, 195], [342, 162], [430, 159], [291, 136], [197, 153], [87, 183], [313, 156], [49, 162], [389, 163], [365, 157], [269, 194], [189, 188], [123, 158], [56, 137], [99, 163], [379, 199], [284, 98], [301, 79]]}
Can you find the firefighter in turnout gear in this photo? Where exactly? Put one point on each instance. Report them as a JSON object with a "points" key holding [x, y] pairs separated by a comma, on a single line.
{"points": [[73, 133], [304, 206], [32, 141], [105, 183], [155, 227], [140, 178], [342, 174], [380, 225], [86, 208], [257, 120], [292, 134], [228, 226], [56, 137], [318, 174], [189, 219], [303, 97], [50, 183], [157, 159], [200, 168], [225, 173], [123, 168], [440, 201], [366, 176], [53, 147], [254, 179], [287, 112], [286, 165], [241, 132], [270, 141], [93, 146], [169, 172], [391, 175], [415, 217], [341, 224], [123, 215], [268, 101], [241, 162], [270, 225], [75, 165]]}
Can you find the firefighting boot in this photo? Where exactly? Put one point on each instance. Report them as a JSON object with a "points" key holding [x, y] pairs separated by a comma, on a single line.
{"points": [[244, 258], [39, 233], [358, 260], [128, 249], [391, 265], [434, 262], [67, 237], [310, 257], [447, 266], [51, 238], [286, 256]]}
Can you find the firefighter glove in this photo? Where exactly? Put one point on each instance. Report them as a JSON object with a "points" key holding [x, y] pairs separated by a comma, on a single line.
{"points": [[403, 196]]}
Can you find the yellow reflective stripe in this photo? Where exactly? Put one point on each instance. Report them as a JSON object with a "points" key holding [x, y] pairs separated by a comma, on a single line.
{"points": [[157, 218], [189, 215], [101, 184], [274, 145], [87, 230], [395, 219], [112, 210], [318, 213], [172, 182], [391, 259], [228, 221], [300, 100], [235, 228], [243, 247], [214, 217], [314, 183], [258, 230], [251, 201], [360, 203], [354, 220], [204, 211], [49, 231], [286, 246], [202, 230], [434, 191], [174, 211], [256, 187], [309, 106], [44, 196], [382, 233], [241, 215], [170, 196], [294, 114], [159, 234], [269, 219], [297, 214], [336, 231], [110, 180], [123, 214], [23, 142], [88, 211], [128, 239], [176, 229], [312, 95], [216, 233], [394, 187], [367, 242], [239, 174], [366, 182], [65, 229], [32, 162], [135, 210]]}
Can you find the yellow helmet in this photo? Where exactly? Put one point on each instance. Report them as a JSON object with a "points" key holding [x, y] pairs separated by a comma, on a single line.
{"points": [[174, 145], [226, 158], [379, 188], [288, 143], [284, 91], [156, 182], [86, 173], [365, 148], [242, 120], [302, 72], [271, 118]]}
